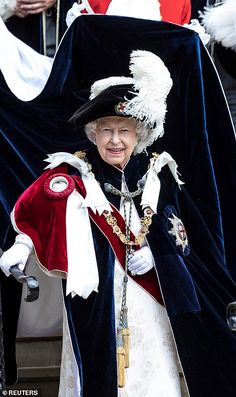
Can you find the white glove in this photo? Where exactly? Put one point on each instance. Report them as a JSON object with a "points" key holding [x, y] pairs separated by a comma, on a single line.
{"points": [[17, 254], [141, 262]]}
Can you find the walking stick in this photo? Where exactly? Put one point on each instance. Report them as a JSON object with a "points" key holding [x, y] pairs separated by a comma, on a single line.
{"points": [[30, 281]]}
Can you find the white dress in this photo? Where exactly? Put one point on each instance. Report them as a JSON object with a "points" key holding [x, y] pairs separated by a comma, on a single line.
{"points": [[153, 370]]}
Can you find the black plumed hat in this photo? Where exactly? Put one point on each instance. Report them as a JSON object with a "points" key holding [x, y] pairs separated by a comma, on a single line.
{"points": [[110, 102], [142, 96]]}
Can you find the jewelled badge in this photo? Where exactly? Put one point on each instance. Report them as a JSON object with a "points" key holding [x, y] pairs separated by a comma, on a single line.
{"points": [[120, 108], [179, 232]]}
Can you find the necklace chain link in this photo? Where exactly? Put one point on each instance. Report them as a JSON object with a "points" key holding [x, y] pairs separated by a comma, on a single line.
{"points": [[145, 221]]}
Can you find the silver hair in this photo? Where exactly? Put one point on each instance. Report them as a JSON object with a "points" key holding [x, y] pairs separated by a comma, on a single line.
{"points": [[143, 135]]}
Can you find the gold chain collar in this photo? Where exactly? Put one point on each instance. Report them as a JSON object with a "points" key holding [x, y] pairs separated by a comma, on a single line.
{"points": [[145, 221]]}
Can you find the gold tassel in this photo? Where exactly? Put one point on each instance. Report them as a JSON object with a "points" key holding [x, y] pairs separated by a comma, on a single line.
{"points": [[126, 334], [121, 366]]}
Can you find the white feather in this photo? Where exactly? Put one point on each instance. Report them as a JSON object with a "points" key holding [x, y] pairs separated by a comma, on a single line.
{"points": [[220, 22], [152, 82], [102, 84]]}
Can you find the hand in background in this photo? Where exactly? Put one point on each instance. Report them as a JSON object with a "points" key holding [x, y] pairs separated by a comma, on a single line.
{"points": [[30, 7]]}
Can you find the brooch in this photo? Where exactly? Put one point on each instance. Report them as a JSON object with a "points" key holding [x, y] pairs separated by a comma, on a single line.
{"points": [[120, 108], [179, 232]]}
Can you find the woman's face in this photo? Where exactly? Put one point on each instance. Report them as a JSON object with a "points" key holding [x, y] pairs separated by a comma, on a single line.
{"points": [[115, 139]]}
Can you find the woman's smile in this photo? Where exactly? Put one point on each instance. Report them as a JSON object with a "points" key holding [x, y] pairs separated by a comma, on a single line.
{"points": [[116, 139]]}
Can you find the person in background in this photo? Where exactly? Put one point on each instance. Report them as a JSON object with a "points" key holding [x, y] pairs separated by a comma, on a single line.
{"points": [[40, 24], [175, 11], [218, 19]]}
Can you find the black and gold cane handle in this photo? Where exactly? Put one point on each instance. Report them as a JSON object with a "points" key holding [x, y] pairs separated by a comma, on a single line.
{"points": [[30, 281]]}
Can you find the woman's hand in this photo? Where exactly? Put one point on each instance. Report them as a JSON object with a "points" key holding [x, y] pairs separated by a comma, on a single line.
{"points": [[141, 262]]}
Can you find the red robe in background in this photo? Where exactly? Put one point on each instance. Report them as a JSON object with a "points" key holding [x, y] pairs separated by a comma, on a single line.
{"points": [[175, 11]]}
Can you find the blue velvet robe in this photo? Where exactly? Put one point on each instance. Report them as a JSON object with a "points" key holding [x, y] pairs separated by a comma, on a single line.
{"points": [[198, 134], [195, 284]]}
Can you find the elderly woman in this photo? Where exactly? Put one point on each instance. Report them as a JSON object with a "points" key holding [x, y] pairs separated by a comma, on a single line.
{"points": [[103, 259], [108, 222]]}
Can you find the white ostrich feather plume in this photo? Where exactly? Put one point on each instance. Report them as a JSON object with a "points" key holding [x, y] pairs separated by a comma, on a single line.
{"points": [[220, 22], [102, 84], [152, 82]]}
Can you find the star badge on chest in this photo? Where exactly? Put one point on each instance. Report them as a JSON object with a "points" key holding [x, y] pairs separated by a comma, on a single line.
{"points": [[179, 232]]}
